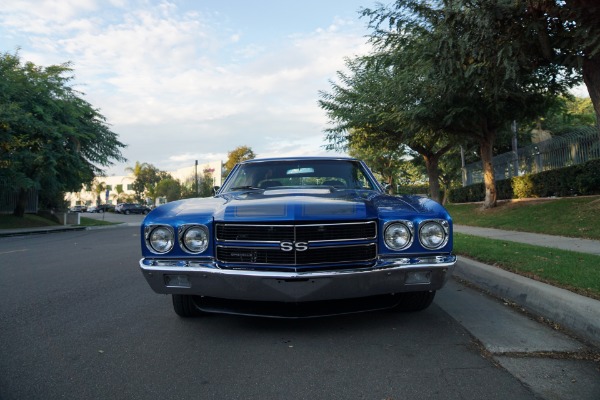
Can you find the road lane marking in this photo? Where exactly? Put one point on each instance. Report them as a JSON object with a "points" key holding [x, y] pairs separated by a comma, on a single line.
{"points": [[12, 251]]}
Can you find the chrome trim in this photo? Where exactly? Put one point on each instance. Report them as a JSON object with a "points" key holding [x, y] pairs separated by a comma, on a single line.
{"points": [[148, 230], [386, 277], [411, 227], [248, 225], [296, 256], [295, 227], [181, 233], [445, 226]]}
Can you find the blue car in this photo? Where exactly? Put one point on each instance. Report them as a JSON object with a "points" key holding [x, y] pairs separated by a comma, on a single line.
{"points": [[298, 237]]}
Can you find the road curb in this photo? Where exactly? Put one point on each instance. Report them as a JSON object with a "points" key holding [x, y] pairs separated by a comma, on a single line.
{"points": [[576, 313], [39, 231]]}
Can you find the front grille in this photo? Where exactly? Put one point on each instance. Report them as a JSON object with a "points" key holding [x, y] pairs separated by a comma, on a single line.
{"points": [[254, 233], [302, 233], [319, 255], [294, 245]]}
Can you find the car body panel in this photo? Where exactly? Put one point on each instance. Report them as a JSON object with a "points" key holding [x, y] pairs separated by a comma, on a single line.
{"points": [[335, 261]]}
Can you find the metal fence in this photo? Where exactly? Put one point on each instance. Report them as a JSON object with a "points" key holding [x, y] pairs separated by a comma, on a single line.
{"points": [[573, 148], [9, 198]]}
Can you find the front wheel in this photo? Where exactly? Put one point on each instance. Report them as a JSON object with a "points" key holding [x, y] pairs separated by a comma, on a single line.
{"points": [[415, 301], [127, 212], [184, 306]]}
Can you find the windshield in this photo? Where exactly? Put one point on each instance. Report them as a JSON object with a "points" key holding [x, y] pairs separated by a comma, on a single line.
{"points": [[337, 174]]}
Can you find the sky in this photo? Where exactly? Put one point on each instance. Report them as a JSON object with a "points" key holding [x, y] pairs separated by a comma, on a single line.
{"points": [[183, 80]]}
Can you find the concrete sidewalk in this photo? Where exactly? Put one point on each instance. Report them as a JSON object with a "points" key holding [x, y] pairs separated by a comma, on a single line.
{"points": [[556, 242], [575, 313]]}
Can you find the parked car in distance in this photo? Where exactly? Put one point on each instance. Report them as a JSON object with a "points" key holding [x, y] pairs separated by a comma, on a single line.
{"points": [[134, 208], [101, 208], [78, 209], [298, 237]]}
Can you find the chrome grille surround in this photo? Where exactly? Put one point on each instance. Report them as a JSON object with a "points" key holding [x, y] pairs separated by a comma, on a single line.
{"points": [[296, 244]]}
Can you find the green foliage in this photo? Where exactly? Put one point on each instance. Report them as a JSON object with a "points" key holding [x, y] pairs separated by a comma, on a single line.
{"points": [[541, 263], [50, 138], [567, 216], [206, 185], [567, 113], [169, 188], [444, 73], [581, 179], [383, 154], [237, 155], [147, 176]]}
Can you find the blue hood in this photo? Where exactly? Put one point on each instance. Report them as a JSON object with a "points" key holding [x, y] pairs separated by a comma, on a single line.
{"points": [[296, 205]]}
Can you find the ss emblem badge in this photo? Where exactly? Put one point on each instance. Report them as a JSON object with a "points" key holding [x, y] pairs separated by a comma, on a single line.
{"points": [[289, 246]]}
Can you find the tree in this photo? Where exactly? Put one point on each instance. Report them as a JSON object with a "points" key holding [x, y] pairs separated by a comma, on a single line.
{"points": [[206, 184], [169, 188], [99, 187], [377, 98], [383, 156], [237, 155], [51, 139], [139, 186], [568, 35], [147, 176], [478, 57]]}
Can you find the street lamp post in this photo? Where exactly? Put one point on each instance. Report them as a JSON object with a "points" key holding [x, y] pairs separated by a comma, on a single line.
{"points": [[196, 177]]}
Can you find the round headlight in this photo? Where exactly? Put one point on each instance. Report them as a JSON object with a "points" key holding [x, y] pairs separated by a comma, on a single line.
{"points": [[161, 239], [195, 239], [432, 235], [397, 236]]}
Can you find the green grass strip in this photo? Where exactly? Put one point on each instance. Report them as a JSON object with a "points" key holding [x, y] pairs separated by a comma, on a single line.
{"points": [[83, 221], [570, 270], [8, 221], [574, 216]]}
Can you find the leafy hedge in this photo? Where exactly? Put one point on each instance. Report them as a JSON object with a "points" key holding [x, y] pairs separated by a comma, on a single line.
{"points": [[582, 179], [414, 189]]}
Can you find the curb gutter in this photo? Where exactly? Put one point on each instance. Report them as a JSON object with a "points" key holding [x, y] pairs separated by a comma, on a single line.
{"points": [[576, 313]]}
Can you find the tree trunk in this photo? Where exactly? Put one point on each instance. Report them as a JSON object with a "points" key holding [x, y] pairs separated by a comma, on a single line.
{"points": [[591, 78], [19, 210], [431, 163], [392, 188], [489, 180]]}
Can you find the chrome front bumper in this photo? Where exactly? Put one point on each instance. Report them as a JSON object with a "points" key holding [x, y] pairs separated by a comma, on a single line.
{"points": [[387, 276]]}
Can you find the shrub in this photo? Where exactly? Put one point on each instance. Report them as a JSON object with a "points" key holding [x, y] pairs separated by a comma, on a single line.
{"points": [[581, 179]]}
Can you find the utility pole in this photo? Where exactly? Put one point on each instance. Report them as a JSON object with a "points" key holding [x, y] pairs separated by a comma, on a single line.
{"points": [[196, 178], [515, 149]]}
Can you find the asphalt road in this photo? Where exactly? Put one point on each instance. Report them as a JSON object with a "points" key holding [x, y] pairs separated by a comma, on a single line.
{"points": [[78, 321]]}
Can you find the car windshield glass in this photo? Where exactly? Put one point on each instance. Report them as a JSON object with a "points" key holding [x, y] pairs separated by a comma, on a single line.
{"points": [[336, 174]]}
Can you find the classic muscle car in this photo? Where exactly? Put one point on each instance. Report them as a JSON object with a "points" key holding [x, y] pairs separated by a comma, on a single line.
{"points": [[298, 237]]}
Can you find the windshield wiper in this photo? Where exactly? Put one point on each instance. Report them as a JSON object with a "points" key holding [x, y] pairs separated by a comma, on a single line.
{"points": [[245, 188]]}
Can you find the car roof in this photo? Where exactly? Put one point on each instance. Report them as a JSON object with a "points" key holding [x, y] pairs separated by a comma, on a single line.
{"points": [[304, 158]]}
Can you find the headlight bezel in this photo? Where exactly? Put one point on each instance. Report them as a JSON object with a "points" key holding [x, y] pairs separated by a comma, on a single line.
{"points": [[444, 227], [183, 230], [150, 230], [410, 229]]}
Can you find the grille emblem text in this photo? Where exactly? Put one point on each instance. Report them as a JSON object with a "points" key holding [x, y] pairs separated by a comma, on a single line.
{"points": [[289, 246]]}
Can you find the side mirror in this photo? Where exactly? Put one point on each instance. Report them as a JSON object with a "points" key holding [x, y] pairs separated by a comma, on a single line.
{"points": [[215, 190]]}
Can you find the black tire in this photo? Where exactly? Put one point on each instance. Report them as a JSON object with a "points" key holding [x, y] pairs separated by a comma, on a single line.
{"points": [[127, 212], [415, 301], [184, 306]]}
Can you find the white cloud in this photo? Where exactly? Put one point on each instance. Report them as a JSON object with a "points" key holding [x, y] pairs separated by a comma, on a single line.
{"points": [[178, 86]]}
